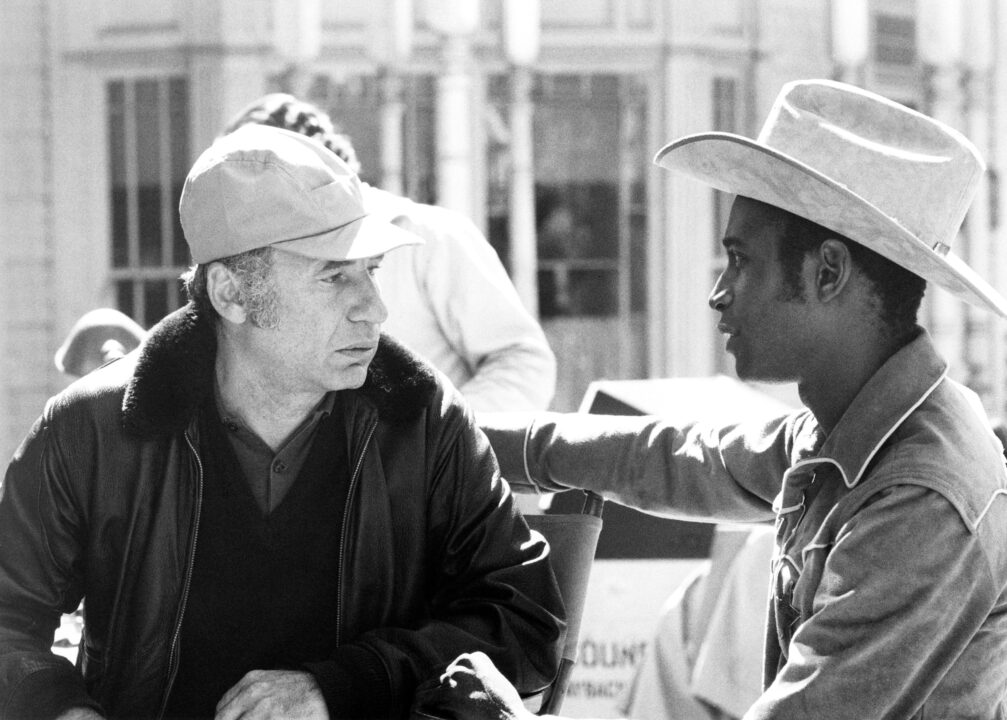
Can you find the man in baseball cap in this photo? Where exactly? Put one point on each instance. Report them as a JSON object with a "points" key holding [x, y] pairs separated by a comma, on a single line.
{"points": [[272, 509], [888, 492]]}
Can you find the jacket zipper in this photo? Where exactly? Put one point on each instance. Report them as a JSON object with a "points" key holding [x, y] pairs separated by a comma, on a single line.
{"points": [[343, 533], [173, 652]]}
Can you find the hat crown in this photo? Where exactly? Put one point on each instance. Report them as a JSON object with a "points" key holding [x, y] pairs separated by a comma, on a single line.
{"points": [[262, 185], [919, 172]]}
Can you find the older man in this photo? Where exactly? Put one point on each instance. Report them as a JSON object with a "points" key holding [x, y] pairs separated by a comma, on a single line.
{"points": [[889, 492], [449, 299], [269, 509]]}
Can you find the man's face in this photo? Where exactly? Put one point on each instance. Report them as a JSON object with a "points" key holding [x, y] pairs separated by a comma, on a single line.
{"points": [[328, 319], [762, 320]]}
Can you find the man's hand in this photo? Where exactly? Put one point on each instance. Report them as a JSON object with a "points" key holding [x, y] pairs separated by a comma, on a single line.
{"points": [[79, 713], [470, 689], [269, 694]]}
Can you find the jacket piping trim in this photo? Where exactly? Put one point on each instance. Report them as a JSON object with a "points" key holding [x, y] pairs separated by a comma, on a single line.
{"points": [[870, 456], [996, 494], [892, 429], [800, 466]]}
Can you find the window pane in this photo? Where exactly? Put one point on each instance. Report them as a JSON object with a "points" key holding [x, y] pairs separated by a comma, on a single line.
{"points": [[178, 118], [155, 301], [149, 152], [115, 97], [124, 298], [577, 207], [355, 108], [421, 139], [894, 39], [566, 290], [148, 158]]}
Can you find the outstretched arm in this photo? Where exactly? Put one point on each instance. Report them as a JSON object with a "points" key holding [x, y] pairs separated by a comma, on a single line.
{"points": [[691, 471]]}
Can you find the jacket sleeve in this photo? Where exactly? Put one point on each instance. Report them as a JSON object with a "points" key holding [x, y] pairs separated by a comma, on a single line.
{"points": [[697, 471], [905, 587], [482, 316], [39, 580], [489, 587]]}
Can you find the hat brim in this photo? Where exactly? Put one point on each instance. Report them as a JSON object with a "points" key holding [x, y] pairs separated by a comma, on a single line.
{"points": [[364, 237], [739, 165]]}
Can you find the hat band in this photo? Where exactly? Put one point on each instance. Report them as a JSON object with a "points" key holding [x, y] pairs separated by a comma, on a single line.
{"points": [[941, 248]]}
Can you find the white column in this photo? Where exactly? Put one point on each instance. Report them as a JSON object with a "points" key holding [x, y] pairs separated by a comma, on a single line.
{"points": [[688, 227], [939, 27], [454, 132], [521, 30], [850, 36], [297, 40], [981, 336], [997, 28], [523, 240], [390, 46]]}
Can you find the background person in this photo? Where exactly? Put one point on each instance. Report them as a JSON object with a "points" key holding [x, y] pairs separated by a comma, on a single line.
{"points": [[449, 299], [270, 510], [889, 492], [99, 336]]}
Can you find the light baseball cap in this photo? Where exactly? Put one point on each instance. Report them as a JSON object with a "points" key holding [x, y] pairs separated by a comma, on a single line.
{"points": [[262, 185]]}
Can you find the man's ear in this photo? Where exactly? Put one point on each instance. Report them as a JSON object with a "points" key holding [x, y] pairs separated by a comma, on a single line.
{"points": [[835, 267], [223, 291]]}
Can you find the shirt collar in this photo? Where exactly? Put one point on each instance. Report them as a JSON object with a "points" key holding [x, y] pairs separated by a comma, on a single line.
{"points": [[233, 422], [900, 386]]}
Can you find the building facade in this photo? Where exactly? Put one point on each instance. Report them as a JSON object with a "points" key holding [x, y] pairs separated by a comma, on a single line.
{"points": [[538, 119]]}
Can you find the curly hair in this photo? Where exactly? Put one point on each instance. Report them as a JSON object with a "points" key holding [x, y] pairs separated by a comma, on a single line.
{"points": [[288, 113], [899, 291], [256, 287]]}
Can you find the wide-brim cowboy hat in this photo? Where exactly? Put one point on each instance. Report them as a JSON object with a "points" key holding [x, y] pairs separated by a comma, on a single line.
{"points": [[870, 169]]}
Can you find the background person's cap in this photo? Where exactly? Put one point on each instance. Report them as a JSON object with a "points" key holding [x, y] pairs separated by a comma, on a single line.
{"points": [[262, 186], [95, 338]]}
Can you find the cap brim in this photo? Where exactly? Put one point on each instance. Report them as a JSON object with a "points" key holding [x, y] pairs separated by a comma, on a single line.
{"points": [[364, 237], [739, 165]]}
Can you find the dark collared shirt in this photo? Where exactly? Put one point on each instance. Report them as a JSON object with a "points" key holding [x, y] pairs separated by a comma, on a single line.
{"points": [[270, 474]]}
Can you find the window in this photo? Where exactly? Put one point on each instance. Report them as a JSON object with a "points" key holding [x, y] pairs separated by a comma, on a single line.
{"points": [[148, 141], [894, 40], [355, 106], [590, 194]]}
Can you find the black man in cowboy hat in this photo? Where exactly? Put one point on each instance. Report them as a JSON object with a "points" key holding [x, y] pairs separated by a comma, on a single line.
{"points": [[889, 494]]}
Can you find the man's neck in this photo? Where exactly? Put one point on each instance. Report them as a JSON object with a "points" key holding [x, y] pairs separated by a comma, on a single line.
{"points": [[829, 390], [271, 413]]}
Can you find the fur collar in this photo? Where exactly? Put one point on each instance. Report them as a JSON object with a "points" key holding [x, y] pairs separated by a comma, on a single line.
{"points": [[174, 375]]}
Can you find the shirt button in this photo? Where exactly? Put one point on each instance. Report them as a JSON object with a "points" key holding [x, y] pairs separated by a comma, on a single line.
{"points": [[279, 467]]}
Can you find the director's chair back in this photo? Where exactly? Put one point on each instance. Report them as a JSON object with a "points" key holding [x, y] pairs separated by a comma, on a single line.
{"points": [[572, 539]]}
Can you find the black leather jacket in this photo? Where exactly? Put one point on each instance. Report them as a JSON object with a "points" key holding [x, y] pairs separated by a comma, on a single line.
{"points": [[102, 501]]}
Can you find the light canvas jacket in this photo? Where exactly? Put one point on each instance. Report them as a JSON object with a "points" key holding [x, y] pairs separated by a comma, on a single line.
{"points": [[451, 301], [889, 577]]}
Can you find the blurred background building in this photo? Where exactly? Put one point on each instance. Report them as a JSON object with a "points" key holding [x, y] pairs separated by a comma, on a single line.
{"points": [[539, 119]]}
